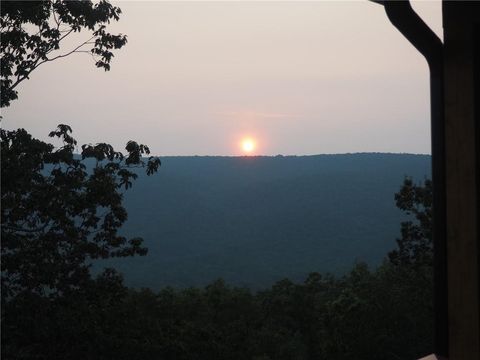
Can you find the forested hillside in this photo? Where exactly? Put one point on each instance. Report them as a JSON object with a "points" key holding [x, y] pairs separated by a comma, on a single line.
{"points": [[255, 220]]}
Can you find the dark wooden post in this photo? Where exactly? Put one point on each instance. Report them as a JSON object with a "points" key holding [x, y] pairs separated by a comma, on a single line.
{"points": [[402, 16], [461, 21], [455, 96]]}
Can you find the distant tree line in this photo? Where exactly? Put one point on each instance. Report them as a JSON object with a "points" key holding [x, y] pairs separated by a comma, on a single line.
{"points": [[366, 314]]}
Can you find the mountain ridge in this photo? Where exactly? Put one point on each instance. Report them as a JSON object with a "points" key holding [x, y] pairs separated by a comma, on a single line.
{"points": [[253, 220]]}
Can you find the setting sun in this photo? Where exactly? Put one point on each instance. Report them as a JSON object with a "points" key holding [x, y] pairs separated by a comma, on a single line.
{"points": [[248, 145]]}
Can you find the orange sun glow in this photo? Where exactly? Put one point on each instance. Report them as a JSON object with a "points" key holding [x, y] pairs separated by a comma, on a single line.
{"points": [[248, 145]]}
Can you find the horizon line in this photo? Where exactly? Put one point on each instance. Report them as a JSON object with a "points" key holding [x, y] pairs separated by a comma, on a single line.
{"points": [[301, 155]]}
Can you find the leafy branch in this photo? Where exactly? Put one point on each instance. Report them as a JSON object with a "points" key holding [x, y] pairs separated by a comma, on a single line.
{"points": [[25, 47]]}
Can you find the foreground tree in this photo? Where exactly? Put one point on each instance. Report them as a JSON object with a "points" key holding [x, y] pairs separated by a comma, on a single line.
{"points": [[61, 211], [33, 33], [61, 207], [415, 247]]}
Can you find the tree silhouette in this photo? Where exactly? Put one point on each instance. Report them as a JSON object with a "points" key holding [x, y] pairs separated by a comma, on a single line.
{"points": [[61, 207], [33, 33], [61, 211], [415, 247]]}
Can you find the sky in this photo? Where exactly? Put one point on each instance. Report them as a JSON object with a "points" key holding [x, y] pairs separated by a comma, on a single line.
{"points": [[298, 78]]}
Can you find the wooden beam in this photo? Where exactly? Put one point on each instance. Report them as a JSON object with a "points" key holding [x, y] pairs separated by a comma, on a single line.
{"points": [[461, 22]]}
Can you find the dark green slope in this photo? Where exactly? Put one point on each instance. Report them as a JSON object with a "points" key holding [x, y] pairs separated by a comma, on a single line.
{"points": [[255, 220]]}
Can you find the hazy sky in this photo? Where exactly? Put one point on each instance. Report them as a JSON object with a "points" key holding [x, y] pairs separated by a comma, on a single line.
{"points": [[195, 77]]}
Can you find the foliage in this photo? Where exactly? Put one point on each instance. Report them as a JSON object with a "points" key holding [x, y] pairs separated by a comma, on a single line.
{"points": [[415, 246], [34, 31], [60, 211], [365, 314]]}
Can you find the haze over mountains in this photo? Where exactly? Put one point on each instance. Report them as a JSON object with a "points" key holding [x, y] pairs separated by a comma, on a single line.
{"points": [[255, 220]]}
